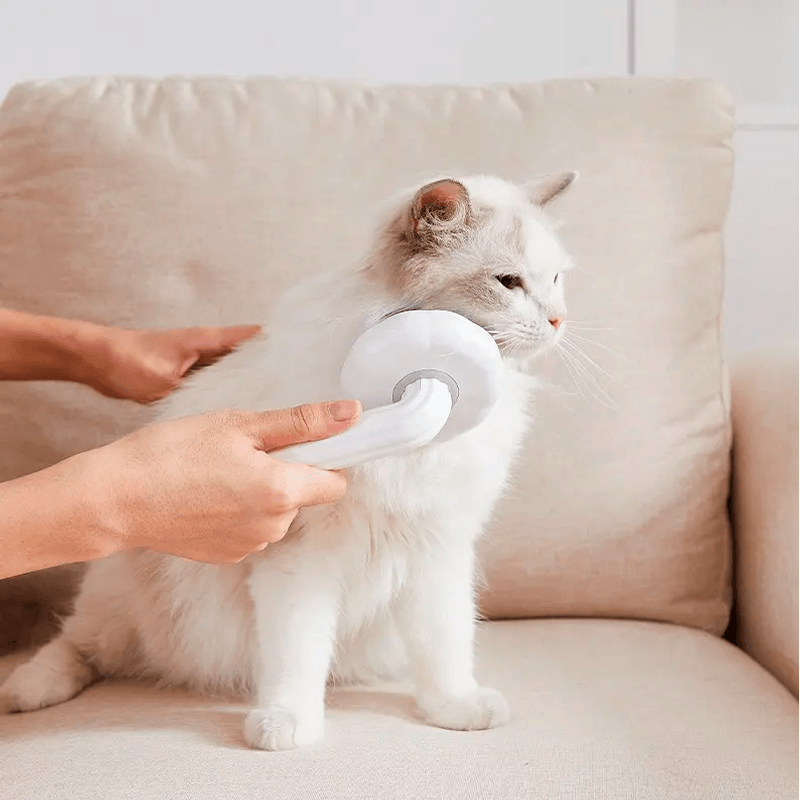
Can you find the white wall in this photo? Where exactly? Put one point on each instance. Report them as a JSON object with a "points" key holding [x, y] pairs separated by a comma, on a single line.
{"points": [[750, 44], [460, 41]]}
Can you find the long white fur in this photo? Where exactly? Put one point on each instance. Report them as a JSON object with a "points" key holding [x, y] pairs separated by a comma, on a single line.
{"points": [[380, 582]]}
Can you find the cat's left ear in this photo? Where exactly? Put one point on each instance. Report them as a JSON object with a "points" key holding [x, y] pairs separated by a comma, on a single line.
{"points": [[440, 207], [542, 189]]}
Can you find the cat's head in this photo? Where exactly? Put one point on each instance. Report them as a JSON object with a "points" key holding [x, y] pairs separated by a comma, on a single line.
{"points": [[481, 247]]}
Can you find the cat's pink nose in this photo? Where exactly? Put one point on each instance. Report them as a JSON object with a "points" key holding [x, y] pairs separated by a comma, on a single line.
{"points": [[556, 321]]}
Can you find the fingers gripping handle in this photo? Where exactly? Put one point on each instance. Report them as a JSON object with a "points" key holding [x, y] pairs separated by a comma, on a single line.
{"points": [[411, 422]]}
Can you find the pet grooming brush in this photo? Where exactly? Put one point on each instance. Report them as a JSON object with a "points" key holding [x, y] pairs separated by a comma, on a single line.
{"points": [[421, 377]]}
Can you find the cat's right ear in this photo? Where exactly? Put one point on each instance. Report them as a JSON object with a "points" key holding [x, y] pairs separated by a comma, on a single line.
{"points": [[544, 188], [440, 207]]}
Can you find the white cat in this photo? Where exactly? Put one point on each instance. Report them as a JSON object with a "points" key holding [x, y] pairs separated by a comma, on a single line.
{"points": [[384, 579]]}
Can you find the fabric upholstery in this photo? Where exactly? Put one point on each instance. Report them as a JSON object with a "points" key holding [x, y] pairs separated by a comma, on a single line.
{"points": [[32, 605], [765, 503], [179, 202], [602, 710]]}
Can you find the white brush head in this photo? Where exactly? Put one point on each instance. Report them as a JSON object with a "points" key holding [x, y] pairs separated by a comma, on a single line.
{"points": [[411, 345]]}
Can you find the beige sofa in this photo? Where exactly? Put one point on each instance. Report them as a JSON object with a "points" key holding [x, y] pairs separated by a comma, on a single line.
{"points": [[612, 568]]}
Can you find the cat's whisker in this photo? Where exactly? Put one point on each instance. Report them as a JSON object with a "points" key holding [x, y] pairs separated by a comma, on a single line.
{"points": [[577, 354], [578, 351], [589, 381], [579, 377], [593, 325], [594, 392], [560, 352], [591, 328], [594, 388], [571, 335], [510, 341]]}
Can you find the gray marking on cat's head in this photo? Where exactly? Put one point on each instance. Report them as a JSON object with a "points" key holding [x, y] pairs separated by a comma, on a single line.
{"points": [[482, 247]]}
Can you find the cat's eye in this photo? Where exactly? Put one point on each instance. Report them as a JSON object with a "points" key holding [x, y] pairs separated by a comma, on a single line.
{"points": [[510, 281], [555, 280]]}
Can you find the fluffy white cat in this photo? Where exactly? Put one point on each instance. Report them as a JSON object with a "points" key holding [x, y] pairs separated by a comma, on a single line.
{"points": [[383, 580]]}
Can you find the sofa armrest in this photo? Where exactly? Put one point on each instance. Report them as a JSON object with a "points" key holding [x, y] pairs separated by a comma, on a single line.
{"points": [[764, 508]]}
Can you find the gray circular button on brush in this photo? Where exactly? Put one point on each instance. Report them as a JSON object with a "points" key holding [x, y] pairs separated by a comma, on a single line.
{"points": [[412, 345], [412, 377]]}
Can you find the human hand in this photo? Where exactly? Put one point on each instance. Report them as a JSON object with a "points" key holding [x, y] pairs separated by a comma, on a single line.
{"points": [[145, 365], [206, 488]]}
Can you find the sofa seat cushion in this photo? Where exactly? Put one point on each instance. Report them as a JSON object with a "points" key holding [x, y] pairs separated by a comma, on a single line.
{"points": [[601, 709]]}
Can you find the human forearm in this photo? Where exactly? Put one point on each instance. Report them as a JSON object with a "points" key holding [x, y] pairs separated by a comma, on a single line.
{"points": [[35, 347], [202, 487], [59, 515]]}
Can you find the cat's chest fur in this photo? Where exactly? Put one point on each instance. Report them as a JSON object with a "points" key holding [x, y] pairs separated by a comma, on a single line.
{"points": [[399, 514], [397, 511]]}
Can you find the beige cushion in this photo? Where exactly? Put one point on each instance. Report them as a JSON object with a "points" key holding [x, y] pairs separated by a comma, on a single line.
{"points": [[765, 478], [147, 203], [601, 710]]}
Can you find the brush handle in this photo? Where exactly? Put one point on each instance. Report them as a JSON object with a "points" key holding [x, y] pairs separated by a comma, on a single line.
{"points": [[411, 422]]}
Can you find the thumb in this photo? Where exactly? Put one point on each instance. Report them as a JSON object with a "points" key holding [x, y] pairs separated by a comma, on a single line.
{"points": [[307, 423]]}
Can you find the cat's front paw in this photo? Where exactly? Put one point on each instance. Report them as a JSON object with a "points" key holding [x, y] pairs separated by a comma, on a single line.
{"points": [[477, 710], [276, 728], [56, 674]]}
